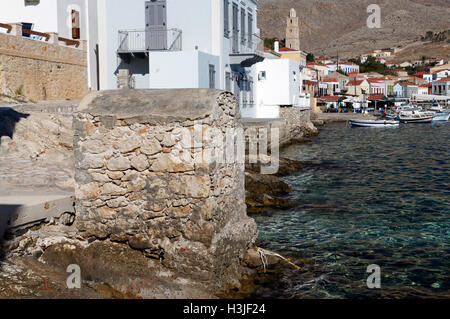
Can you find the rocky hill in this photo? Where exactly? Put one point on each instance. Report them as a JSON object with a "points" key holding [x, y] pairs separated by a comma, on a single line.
{"points": [[331, 25]]}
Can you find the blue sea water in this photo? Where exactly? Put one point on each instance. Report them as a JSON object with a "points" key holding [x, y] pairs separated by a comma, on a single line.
{"points": [[367, 196]]}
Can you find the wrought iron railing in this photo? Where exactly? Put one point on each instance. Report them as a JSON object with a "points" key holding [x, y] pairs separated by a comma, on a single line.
{"points": [[149, 40]]}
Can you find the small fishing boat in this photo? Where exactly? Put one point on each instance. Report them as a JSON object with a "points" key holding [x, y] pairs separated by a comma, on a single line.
{"points": [[416, 117], [441, 117], [373, 123]]}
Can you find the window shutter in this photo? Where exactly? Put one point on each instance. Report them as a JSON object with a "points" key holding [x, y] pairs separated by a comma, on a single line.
{"points": [[226, 18], [243, 26], [155, 14], [250, 29]]}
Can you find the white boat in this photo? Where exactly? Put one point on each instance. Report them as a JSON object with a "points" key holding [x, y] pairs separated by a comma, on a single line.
{"points": [[416, 117], [373, 123], [436, 108], [441, 117]]}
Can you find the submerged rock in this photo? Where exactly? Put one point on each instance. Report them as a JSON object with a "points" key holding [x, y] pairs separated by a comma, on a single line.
{"points": [[267, 191]]}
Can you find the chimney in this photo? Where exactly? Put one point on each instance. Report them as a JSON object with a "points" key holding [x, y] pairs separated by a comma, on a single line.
{"points": [[276, 46]]}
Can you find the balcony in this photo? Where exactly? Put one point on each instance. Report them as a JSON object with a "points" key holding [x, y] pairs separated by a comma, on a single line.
{"points": [[139, 42], [246, 49]]}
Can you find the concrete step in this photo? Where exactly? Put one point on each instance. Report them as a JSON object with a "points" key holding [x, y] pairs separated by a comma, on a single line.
{"points": [[18, 211]]}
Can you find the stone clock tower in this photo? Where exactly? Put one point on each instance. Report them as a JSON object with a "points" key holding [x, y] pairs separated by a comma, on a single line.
{"points": [[293, 31]]}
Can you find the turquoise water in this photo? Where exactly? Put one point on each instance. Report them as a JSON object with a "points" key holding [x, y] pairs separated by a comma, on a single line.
{"points": [[367, 196]]}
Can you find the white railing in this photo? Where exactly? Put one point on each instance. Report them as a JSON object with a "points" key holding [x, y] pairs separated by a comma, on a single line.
{"points": [[149, 40], [247, 44]]}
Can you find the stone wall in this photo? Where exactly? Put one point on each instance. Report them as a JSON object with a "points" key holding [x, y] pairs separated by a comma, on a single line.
{"points": [[298, 122], [293, 125], [141, 181], [42, 71]]}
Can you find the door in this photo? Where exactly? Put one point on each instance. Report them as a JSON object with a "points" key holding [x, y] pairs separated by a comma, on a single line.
{"points": [[235, 44], [156, 25]]}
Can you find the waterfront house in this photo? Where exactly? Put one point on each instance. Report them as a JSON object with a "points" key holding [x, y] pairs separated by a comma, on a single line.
{"points": [[425, 89], [441, 87], [332, 86], [377, 85], [278, 83], [342, 80], [398, 89], [327, 102], [322, 88], [409, 89], [359, 88]]}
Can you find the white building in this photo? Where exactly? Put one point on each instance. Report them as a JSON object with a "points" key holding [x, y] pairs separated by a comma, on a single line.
{"points": [[158, 43], [278, 83], [348, 67], [440, 74], [441, 87]]}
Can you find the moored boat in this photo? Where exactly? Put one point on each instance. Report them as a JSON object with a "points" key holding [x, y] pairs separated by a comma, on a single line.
{"points": [[441, 117], [416, 117], [373, 123]]}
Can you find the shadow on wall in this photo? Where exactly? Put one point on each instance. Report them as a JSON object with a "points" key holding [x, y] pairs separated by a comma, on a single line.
{"points": [[8, 120], [137, 66], [7, 213]]}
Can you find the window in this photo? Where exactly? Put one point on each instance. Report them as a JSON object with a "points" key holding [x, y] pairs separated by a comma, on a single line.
{"points": [[226, 18], [212, 76], [262, 76], [32, 2], [243, 38], [250, 84], [244, 91], [75, 24], [250, 30], [26, 26]]}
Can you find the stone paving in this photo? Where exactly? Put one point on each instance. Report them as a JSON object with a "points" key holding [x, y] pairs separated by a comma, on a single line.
{"points": [[27, 175]]}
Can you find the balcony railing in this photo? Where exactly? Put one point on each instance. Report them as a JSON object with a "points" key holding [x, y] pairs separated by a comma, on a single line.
{"points": [[247, 44], [149, 40]]}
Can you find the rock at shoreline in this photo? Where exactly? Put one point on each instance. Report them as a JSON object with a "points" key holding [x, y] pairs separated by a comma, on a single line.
{"points": [[286, 167], [266, 191]]}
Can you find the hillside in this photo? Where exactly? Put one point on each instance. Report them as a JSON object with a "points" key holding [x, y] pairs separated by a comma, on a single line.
{"points": [[331, 25]]}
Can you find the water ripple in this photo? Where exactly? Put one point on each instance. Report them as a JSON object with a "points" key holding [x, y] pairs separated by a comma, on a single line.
{"points": [[373, 196]]}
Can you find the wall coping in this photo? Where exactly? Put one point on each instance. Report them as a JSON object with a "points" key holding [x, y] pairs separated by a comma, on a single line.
{"points": [[142, 105]]}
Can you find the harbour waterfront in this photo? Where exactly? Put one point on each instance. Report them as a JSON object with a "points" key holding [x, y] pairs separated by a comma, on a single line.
{"points": [[368, 196]]}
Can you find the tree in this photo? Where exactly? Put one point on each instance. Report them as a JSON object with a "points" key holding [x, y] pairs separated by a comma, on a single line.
{"points": [[372, 65], [269, 43], [310, 57]]}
